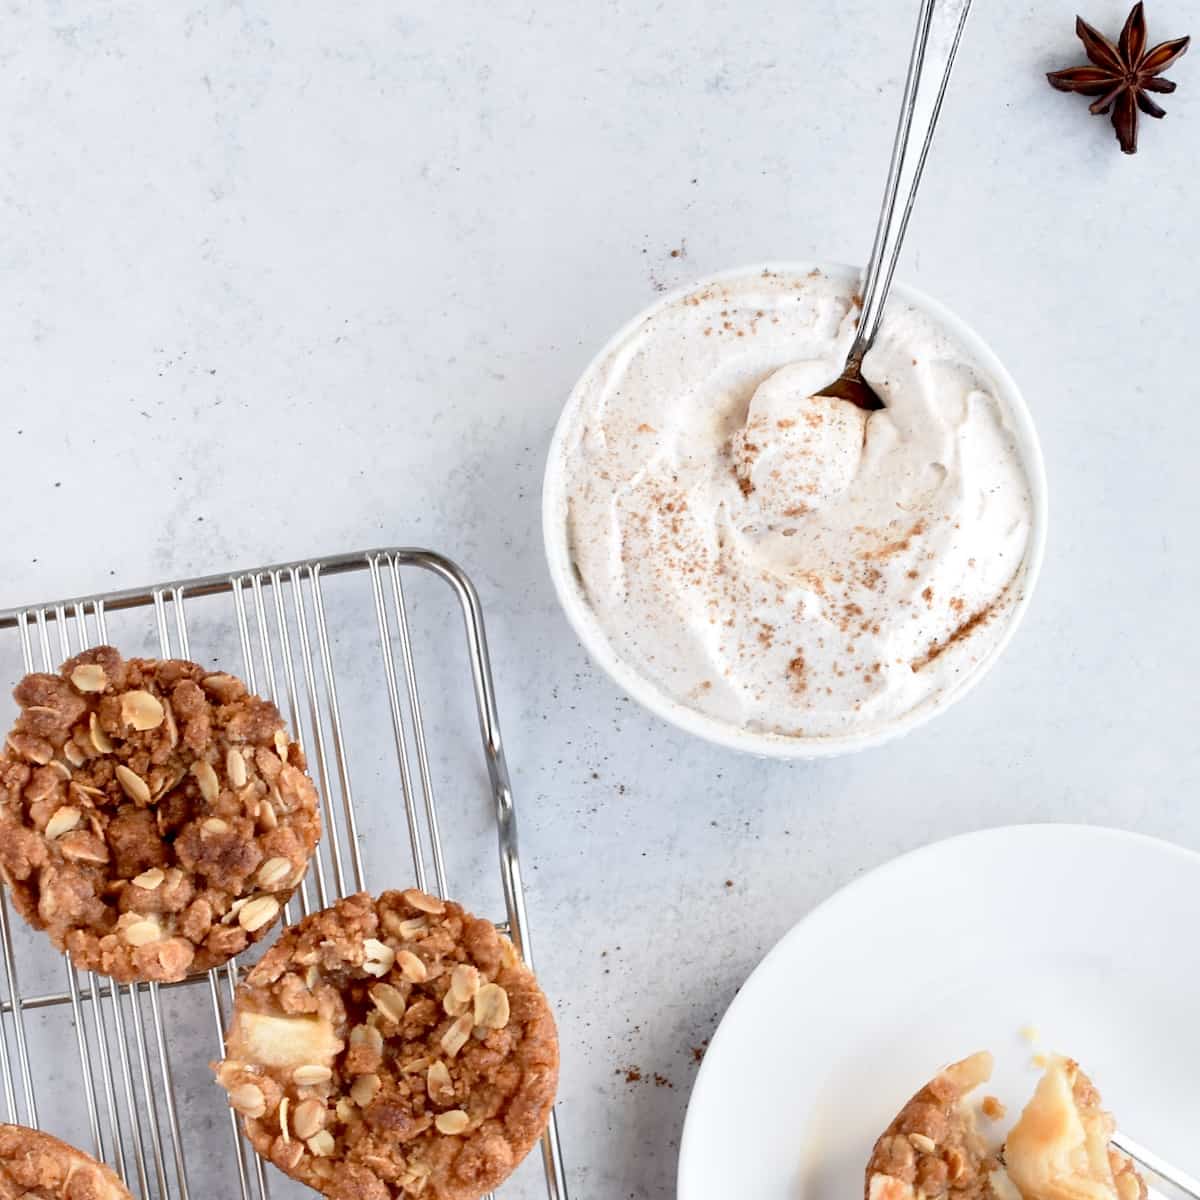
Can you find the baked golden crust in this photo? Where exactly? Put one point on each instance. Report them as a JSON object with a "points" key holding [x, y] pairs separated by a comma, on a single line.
{"points": [[392, 1047], [932, 1148], [154, 816], [36, 1166]]}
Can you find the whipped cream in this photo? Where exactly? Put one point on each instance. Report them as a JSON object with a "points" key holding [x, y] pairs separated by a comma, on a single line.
{"points": [[784, 562]]}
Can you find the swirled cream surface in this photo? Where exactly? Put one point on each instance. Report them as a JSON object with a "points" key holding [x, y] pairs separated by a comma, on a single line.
{"points": [[779, 561]]}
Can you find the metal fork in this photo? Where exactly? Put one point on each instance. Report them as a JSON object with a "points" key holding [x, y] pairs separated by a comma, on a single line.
{"points": [[1181, 1182]]}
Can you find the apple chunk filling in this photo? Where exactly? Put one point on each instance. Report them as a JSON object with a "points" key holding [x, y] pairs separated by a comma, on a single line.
{"points": [[283, 1042], [1059, 1149]]}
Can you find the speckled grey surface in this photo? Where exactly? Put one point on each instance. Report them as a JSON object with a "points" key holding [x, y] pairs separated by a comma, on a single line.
{"points": [[280, 280]]}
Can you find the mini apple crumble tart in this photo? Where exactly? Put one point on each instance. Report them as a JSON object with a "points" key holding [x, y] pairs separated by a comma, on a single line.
{"points": [[1058, 1149], [933, 1146], [154, 816], [391, 1048], [36, 1166]]}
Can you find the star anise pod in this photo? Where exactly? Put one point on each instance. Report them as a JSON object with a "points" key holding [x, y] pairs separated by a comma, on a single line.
{"points": [[1122, 76]]}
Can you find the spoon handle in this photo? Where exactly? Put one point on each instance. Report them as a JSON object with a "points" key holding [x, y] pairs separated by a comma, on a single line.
{"points": [[913, 136]]}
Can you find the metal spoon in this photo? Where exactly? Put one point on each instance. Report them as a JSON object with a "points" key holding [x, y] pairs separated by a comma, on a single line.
{"points": [[904, 174]]}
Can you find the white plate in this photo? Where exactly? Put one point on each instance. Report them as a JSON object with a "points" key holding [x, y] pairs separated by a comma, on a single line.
{"points": [[1091, 935]]}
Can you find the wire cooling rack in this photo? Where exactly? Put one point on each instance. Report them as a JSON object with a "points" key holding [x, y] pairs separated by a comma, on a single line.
{"points": [[298, 645]]}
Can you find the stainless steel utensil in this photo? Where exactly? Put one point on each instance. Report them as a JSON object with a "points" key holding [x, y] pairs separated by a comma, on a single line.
{"points": [[918, 116], [1180, 1183]]}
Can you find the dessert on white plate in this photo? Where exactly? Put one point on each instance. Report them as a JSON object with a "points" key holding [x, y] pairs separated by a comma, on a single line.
{"points": [[778, 562], [1057, 1150]]}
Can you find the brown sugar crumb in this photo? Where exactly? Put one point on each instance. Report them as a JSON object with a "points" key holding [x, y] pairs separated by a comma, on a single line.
{"points": [[392, 1048], [993, 1109], [933, 1145], [644, 428], [34, 1164], [632, 1075], [154, 816], [662, 1081]]}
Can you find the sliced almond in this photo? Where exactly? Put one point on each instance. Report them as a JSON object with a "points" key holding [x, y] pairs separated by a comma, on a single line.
{"points": [[388, 1000], [281, 745], [142, 710], [415, 1177], [149, 879], [414, 1066], [455, 1038], [133, 785], [284, 1131], [248, 1100], [423, 902], [34, 748], [61, 768], [84, 847], [464, 982], [100, 739], [379, 957], [345, 1106], [437, 1083], [74, 754], [267, 816], [142, 933], [39, 787], [411, 967], [322, 1144], [235, 767], [309, 1118], [406, 931], [259, 912], [89, 677], [312, 977], [452, 1122], [273, 872], [926, 1145], [206, 779], [214, 825], [491, 1006], [367, 1035], [452, 1005], [63, 821], [172, 728], [310, 1074], [363, 1089]]}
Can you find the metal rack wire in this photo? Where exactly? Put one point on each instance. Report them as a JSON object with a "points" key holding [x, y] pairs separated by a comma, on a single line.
{"points": [[293, 654]]}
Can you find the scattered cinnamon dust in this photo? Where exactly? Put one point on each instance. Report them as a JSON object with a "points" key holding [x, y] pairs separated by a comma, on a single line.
{"points": [[937, 649]]}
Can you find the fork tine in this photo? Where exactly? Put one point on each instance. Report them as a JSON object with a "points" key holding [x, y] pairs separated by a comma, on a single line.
{"points": [[1188, 1184]]}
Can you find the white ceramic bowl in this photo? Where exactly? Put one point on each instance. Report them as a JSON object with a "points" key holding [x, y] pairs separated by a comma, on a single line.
{"points": [[647, 693]]}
